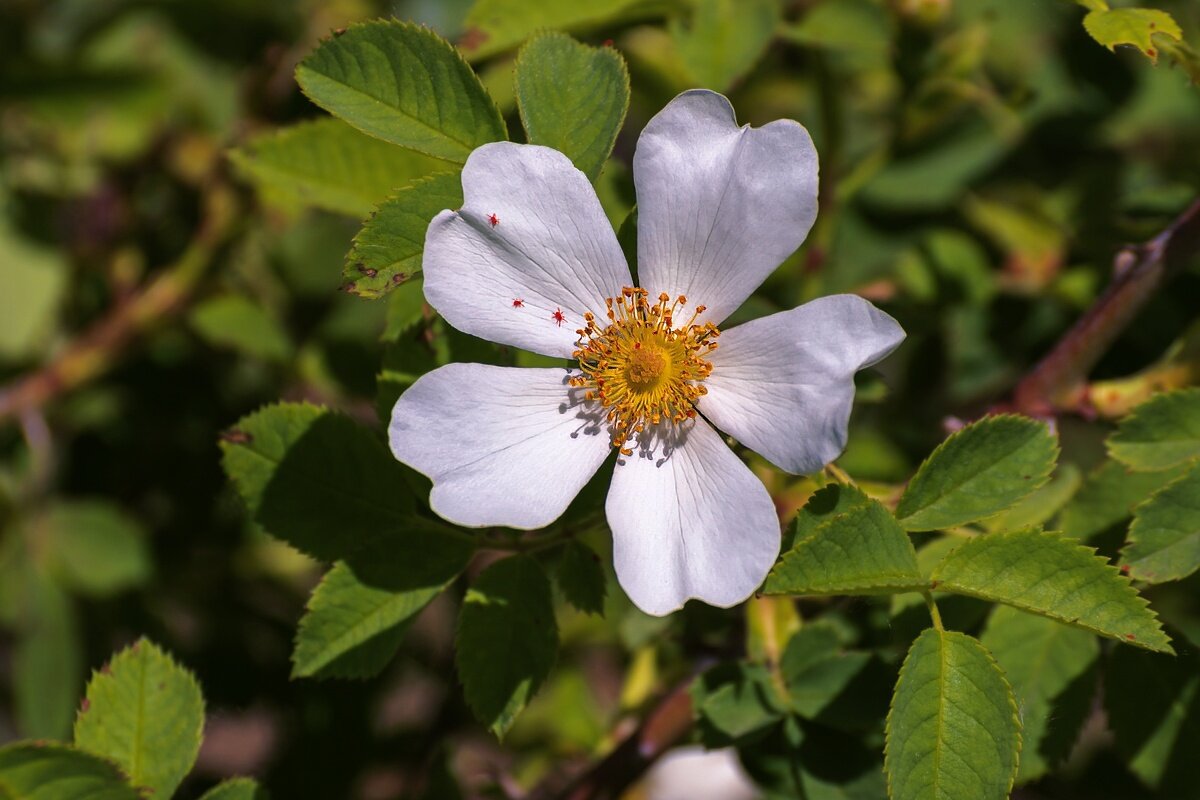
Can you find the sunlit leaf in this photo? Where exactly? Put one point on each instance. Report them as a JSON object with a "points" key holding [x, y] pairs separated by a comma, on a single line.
{"points": [[493, 26], [1133, 26], [236, 789], [1164, 539], [953, 729], [54, 772], [146, 713], [1160, 433]]}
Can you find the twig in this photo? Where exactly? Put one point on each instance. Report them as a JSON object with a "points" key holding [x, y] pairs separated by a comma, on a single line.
{"points": [[1059, 381], [101, 345]]}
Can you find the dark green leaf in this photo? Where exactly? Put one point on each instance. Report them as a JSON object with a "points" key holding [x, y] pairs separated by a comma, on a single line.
{"points": [[507, 640], [734, 701], [56, 772], [316, 479], [404, 84], [236, 789], [1051, 670], [1050, 575], [980, 471], [816, 671], [572, 97], [859, 551], [327, 164], [358, 614], [953, 729], [1161, 433], [387, 251], [146, 713], [581, 577], [1164, 539], [47, 659]]}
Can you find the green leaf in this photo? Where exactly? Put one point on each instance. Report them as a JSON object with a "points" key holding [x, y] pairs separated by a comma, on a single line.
{"points": [[94, 548], [316, 479], [146, 713], [581, 577], [572, 97], [725, 39], [404, 84], [1160, 433], [493, 26], [859, 551], [387, 251], [1050, 668], [980, 471], [734, 701], [236, 789], [1135, 26], [33, 280], [1164, 539], [826, 503], [1153, 704], [236, 322], [952, 730], [1047, 574], [47, 659], [815, 670], [1107, 498], [358, 614], [56, 772], [1040, 506], [327, 164], [507, 640]]}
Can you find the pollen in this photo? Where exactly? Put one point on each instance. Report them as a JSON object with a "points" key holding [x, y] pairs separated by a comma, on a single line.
{"points": [[642, 366]]}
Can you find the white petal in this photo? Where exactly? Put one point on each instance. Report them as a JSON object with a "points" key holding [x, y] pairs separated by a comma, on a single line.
{"points": [[503, 445], [552, 250], [719, 207], [694, 522], [783, 385]]}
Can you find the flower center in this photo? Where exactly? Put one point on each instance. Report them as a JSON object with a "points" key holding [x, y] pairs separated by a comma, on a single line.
{"points": [[640, 366]]}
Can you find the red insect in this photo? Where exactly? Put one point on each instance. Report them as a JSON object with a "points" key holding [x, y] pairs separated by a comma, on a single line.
{"points": [[558, 317], [518, 302], [492, 218]]}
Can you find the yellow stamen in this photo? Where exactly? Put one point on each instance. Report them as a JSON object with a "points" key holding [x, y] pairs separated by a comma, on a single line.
{"points": [[641, 367]]}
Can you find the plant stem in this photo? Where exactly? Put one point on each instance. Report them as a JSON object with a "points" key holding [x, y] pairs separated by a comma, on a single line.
{"points": [[933, 610]]}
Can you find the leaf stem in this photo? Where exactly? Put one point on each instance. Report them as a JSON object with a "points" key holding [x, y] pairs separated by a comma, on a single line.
{"points": [[933, 610], [840, 475]]}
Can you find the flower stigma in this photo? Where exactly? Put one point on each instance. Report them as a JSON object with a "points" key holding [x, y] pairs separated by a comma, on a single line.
{"points": [[640, 366]]}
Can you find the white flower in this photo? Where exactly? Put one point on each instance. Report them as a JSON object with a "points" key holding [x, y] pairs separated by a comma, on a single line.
{"points": [[693, 773], [531, 261]]}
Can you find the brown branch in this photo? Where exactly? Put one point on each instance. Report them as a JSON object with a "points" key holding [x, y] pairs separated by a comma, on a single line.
{"points": [[99, 347], [608, 778], [1059, 381]]}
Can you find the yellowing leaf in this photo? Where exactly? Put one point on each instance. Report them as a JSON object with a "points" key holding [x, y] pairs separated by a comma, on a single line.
{"points": [[1135, 26]]}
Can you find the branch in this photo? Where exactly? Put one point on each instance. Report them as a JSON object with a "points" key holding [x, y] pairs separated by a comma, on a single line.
{"points": [[1059, 381], [608, 778], [101, 345]]}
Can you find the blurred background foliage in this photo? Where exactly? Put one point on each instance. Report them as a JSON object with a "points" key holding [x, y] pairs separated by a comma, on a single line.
{"points": [[982, 163]]}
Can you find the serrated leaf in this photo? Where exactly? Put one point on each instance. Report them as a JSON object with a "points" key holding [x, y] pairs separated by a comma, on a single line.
{"points": [[1133, 26], [1049, 667], [404, 84], [146, 713], [93, 547], [1040, 506], [981, 470], [493, 26], [952, 730], [1164, 539], [359, 612], [387, 251], [1153, 704], [47, 661], [581, 577], [572, 97], [1047, 574], [328, 164], [236, 789], [507, 640], [57, 772], [826, 503], [859, 551], [1161, 433], [1108, 496], [725, 39], [316, 479]]}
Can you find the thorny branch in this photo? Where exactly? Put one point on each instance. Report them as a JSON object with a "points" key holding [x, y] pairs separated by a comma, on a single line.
{"points": [[101, 345], [1059, 381]]}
